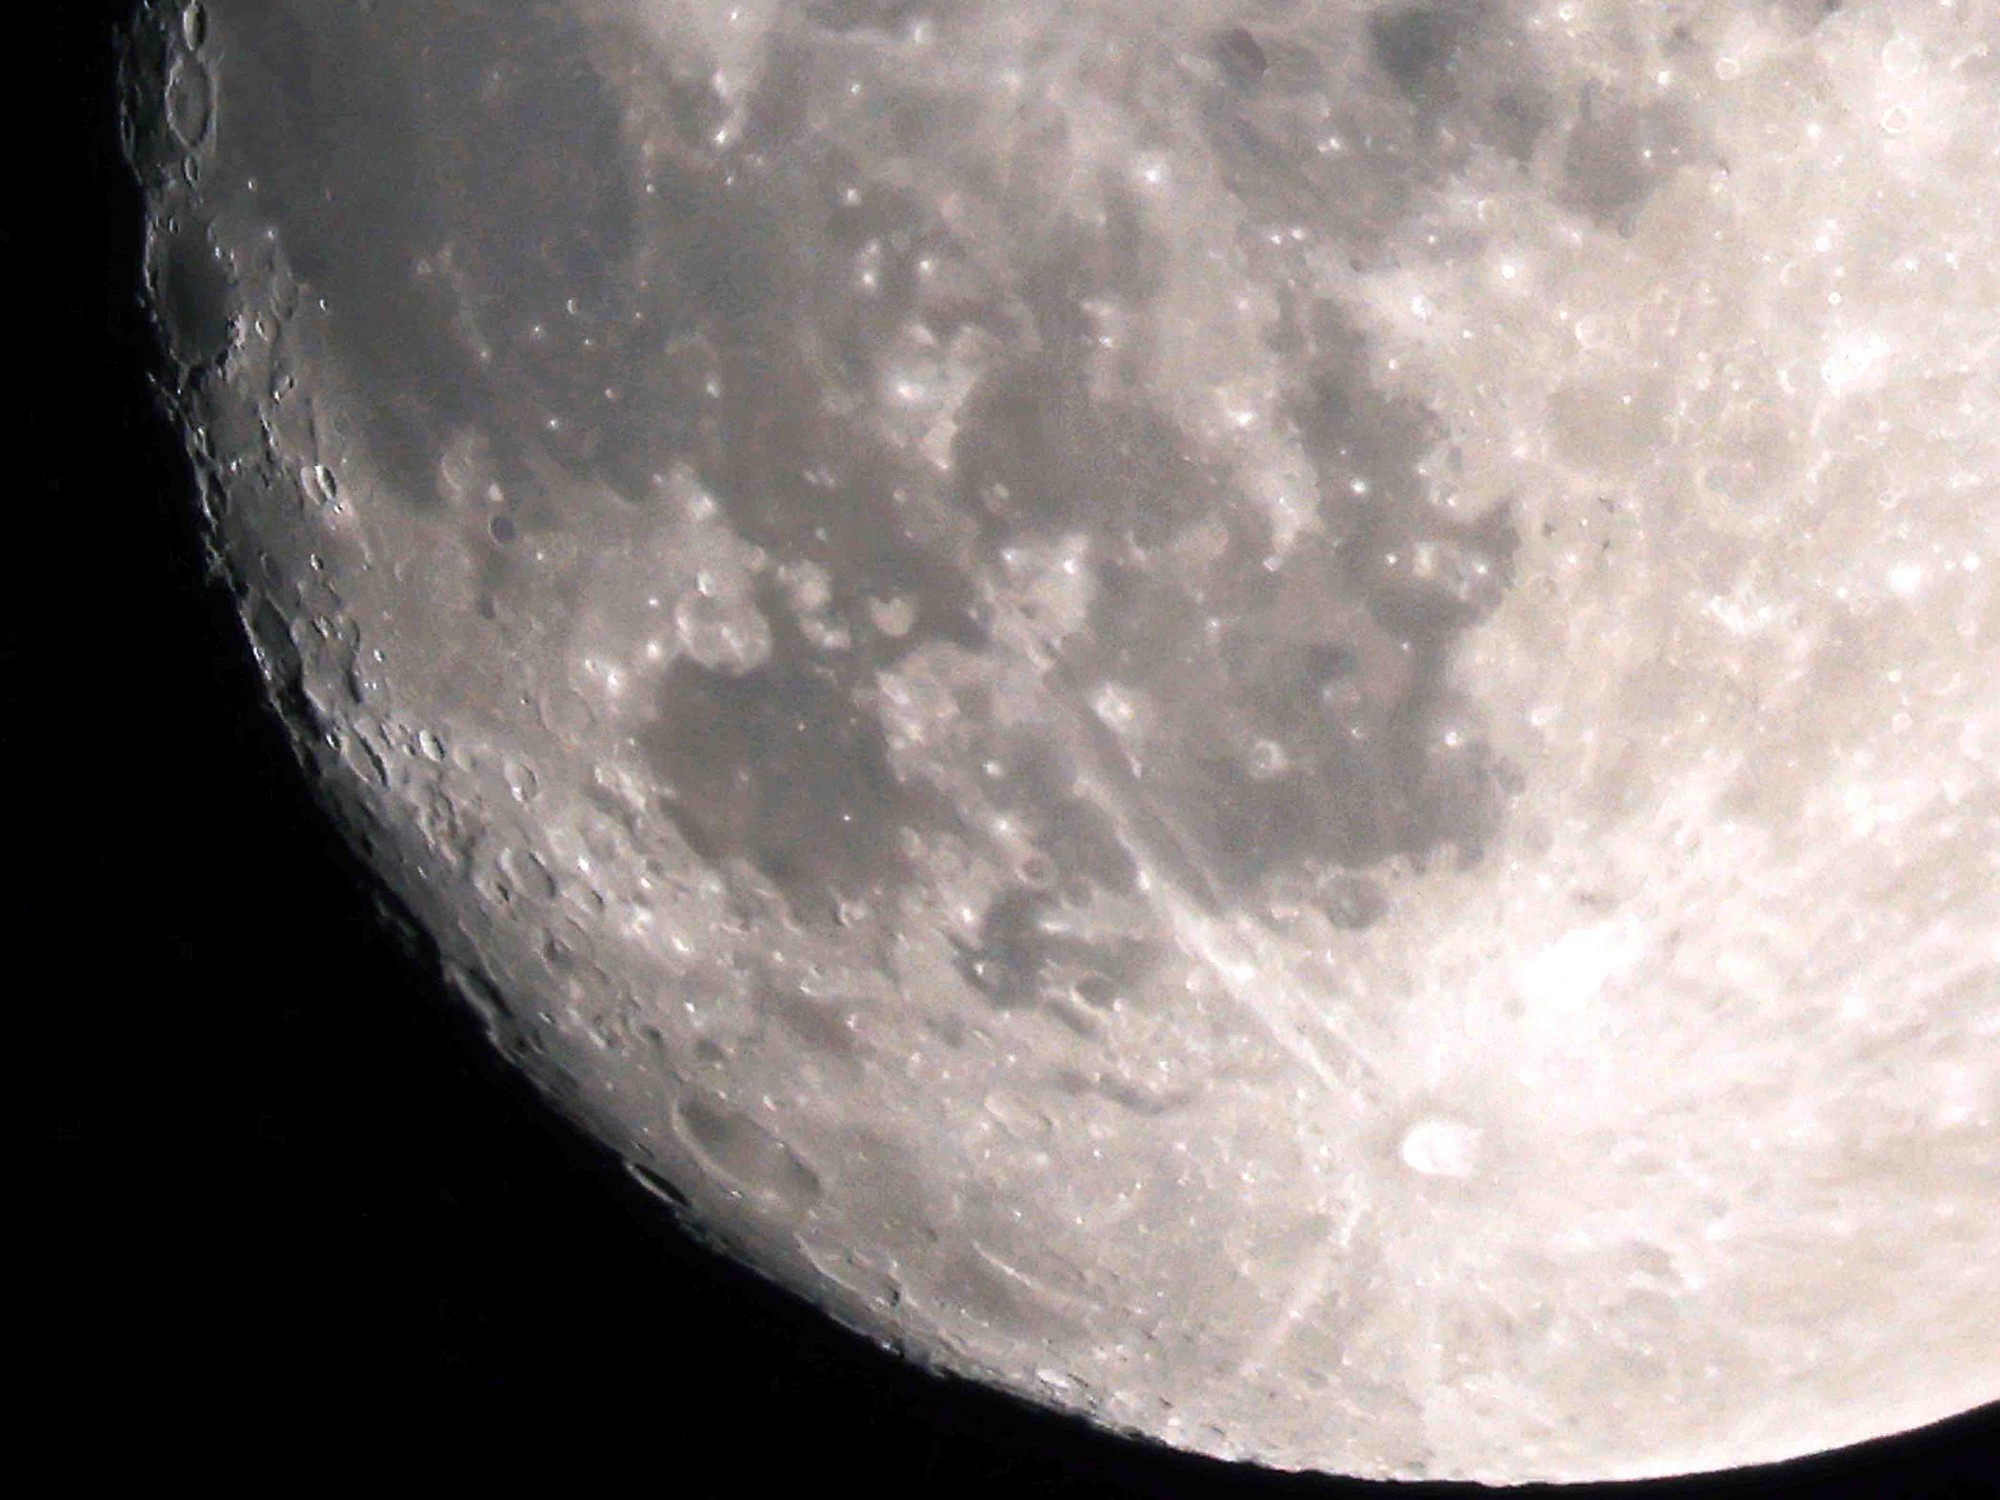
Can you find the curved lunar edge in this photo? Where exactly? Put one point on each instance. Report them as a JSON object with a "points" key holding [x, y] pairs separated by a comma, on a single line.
{"points": [[1278, 722]]}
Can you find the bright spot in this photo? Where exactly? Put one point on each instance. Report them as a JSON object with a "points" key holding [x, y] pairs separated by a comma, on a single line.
{"points": [[1855, 358], [1567, 975], [1438, 1147], [1906, 578]]}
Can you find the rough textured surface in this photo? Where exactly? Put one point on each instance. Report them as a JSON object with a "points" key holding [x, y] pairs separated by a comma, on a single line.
{"points": [[1280, 721]]}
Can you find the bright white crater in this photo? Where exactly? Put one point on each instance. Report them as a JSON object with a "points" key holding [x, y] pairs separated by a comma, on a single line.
{"points": [[1441, 1148], [1276, 720]]}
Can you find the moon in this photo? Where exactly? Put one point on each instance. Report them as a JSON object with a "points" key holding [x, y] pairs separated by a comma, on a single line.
{"points": [[1274, 722]]}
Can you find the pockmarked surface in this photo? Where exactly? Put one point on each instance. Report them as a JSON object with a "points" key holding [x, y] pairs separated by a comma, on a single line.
{"points": [[1276, 721]]}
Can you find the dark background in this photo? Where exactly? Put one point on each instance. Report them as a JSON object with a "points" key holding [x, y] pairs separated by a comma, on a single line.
{"points": [[277, 1191]]}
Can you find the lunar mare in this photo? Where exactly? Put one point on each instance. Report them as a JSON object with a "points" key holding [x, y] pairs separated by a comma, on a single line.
{"points": [[1276, 721]]}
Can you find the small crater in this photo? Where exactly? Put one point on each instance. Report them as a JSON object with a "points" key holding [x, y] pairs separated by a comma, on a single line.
{"points": [[1353, 901]]}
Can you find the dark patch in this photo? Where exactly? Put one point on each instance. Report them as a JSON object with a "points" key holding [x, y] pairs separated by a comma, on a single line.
{"points": [[1303, 719], [1299, 712], [665, 414], [1352, 901], [887, 17], [1279, 731], [1354, 433], [1338, 659], [1141, 1100], [333, 140], [531, 155], [508, 149], [875, 232], [1617, 157], [1005, 966], [1247, 829], [1026, 956], [1296, 691], [675, 1200], [1426, 578], [1115, 257], [1096, 990], [1807, 14], [781, 768], [803, 484], [1451, 787], [1035, 454], [1151, 631], [1515, 119], [1035, 788], [1241, 59], [1417, 44], [779, 116], [195, 297], [816, 1024], [1340, 725]]}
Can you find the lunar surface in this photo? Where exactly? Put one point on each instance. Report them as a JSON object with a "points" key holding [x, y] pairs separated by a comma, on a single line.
{"points": [[1275, 721]]}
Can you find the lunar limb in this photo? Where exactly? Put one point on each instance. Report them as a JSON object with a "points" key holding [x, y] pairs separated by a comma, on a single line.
{"points": [[1279, 722]]}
